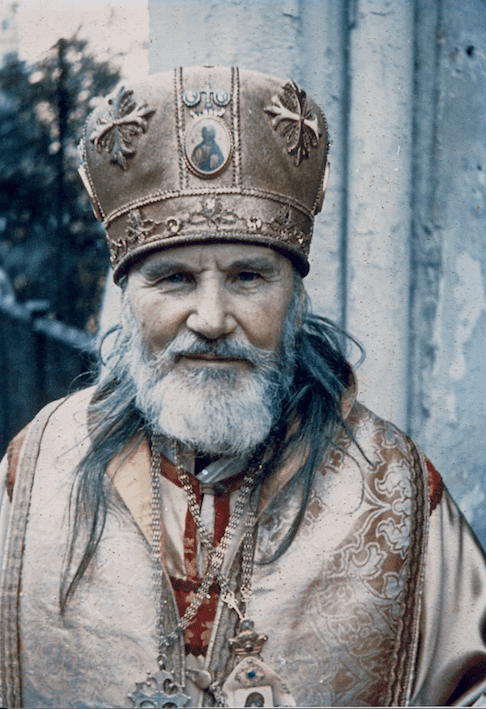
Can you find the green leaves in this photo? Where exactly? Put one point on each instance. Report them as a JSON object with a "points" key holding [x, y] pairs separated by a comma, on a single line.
{"points": [[50, 244]]}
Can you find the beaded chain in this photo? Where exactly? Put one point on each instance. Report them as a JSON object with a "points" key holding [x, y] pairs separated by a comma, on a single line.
{"points": [[216, 555]]}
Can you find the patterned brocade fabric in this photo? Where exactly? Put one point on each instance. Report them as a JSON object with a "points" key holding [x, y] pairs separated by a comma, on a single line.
{"points": [[341, 607], [351, 603], [198, 634]]}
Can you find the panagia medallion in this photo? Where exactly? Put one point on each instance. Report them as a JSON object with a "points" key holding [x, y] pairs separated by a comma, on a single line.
{"points": [[253, 682]]}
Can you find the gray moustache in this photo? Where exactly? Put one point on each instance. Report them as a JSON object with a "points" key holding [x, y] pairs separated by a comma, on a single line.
{"points": [[223, 349]]}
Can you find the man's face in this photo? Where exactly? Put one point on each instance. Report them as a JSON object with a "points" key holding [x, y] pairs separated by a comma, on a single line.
{"points": [[216, 291], [210, 348]]}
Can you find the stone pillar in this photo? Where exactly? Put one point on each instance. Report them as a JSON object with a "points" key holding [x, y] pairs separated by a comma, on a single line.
{"points": [[380, 156], [448, 408]]}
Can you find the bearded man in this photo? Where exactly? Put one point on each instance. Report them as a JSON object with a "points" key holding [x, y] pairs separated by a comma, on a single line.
{"points": [[218, 521]]}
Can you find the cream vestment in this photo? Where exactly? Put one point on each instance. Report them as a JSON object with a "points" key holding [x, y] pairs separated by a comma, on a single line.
{"points": [[376, 602]]}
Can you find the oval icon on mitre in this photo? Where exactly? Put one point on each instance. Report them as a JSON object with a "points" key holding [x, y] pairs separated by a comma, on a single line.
{"points": [[208, 146]]}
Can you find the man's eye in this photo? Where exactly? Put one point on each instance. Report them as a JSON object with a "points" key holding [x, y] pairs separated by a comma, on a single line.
{"points": [[177, 278], [248, 276]]}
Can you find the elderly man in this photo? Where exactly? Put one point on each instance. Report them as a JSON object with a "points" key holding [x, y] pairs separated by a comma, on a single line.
{"points": [[218, 522]]}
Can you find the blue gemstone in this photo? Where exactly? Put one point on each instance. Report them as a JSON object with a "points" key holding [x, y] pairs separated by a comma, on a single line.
{"points": [[251, 674]]}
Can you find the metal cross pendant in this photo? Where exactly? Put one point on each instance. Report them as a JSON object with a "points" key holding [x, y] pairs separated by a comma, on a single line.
{"points": [[159, 690], [229, 598], [208, 92]]}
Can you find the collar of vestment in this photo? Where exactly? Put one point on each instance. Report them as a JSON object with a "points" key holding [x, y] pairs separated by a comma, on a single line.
{"points": [[130, 470], [342, 603]]}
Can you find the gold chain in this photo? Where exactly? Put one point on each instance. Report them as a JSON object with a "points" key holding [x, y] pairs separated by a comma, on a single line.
{"points": [[216, 555]]}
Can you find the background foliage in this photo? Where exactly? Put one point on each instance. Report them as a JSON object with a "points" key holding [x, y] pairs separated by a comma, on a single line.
{"points": [[51, 246]]}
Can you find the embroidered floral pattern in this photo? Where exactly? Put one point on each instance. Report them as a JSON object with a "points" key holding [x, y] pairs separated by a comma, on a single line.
{"points": [[254, 223], [138, 228], [363, 524], [137, 231], [173, 225], [117, 248], [212, 213], [283, 226], [116, 131], [297, 122]]}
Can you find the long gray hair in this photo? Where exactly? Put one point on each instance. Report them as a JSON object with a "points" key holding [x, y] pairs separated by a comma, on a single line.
{"points": [[320, 377]]}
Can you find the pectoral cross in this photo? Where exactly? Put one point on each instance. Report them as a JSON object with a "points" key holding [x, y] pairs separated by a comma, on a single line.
{"points": [[159, 690]]}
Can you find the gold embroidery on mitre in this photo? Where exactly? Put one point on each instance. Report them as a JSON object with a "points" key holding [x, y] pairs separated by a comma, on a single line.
{"points": [[212, 214], [117, 248], [284, 229], [138, 228], [173, 225], [191, 98], [298, 124], [254, 224], [116, 131], [137, 231]]}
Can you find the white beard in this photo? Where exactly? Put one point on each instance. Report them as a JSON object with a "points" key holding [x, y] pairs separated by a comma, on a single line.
{"points": [[210, 411]]}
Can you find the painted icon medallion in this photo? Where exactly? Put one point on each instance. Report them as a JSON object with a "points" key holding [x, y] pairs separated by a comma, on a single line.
{"points": [[208, 146]]}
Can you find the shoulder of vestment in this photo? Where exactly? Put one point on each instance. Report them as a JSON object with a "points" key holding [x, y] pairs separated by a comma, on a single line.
{"points": [[384, 445], [69, 407]]}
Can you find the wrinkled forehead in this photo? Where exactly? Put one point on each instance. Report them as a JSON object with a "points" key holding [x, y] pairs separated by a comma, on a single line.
{"points": [[217, 256]]}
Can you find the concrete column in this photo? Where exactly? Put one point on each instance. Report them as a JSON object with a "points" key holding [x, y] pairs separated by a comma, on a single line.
{"points": [[254, 34], [449, 315], [323, 65], [380, 126]]}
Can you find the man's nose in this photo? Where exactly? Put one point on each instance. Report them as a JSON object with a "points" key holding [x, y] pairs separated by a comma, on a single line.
{"points": [[211, 316]]}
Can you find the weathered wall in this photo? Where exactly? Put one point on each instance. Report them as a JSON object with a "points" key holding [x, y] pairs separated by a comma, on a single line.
{"points": [[399, 255], [378, 235], [448, 412]]}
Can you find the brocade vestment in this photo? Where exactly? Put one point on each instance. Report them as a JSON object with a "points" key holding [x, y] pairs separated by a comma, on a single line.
{"points": [[380, 599]]}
